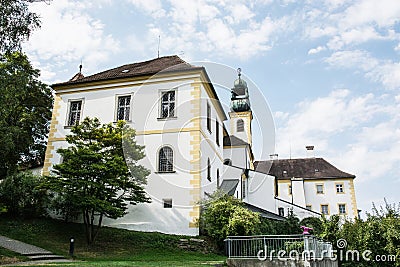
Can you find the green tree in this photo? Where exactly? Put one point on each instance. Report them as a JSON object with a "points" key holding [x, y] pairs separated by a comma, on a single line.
{"points": [[94, 175], [16, 24], [22, 196], [315, 223], [224, 215], [25, 111]]}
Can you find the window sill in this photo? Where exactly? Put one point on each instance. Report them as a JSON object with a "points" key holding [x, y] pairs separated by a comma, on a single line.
{"points": [[167, 118], [127, 121], [165, 172]]}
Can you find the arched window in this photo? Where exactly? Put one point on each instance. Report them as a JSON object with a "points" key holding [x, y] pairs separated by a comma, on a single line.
{"points": [[208, 170], [240, 125], [166, 159]]}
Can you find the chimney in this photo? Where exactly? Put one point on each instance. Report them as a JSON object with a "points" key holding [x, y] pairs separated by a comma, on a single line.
{"points": [[310, 152]]}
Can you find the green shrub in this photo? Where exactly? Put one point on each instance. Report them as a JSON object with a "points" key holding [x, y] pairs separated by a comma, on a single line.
{"points": [[22, 196], [224, 215]]}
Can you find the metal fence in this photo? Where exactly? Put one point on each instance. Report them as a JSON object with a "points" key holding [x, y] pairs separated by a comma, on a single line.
{"points": [[277, 246]]}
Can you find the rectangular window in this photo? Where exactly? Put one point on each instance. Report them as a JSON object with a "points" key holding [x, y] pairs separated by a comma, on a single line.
{"points": [[168, 104], [243, 188], [217, 132], [217, 178], [325, 209], [124, 108], [167, 202], [290, 189], [208, 170], [208, 117], [342, 208], [74, 116], [281, 212], [339, 188], [320, 188], [309, 207]]}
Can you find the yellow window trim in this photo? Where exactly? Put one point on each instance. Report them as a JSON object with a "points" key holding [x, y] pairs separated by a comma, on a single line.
{"points": [[323, 189], [328, 209], [339, 183], [345, 208]]}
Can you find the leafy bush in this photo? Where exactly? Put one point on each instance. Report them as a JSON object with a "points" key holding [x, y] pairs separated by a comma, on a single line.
{"points": [[315, 223], [225, 215], [21, 195]]}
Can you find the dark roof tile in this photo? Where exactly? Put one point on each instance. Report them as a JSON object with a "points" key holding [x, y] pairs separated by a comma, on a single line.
{"points": [[307, 168], [232, 140], [150, 67]]}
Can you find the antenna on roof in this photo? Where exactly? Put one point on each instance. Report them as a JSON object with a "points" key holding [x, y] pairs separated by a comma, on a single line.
{"points": [[158, 50], [80, 67]]}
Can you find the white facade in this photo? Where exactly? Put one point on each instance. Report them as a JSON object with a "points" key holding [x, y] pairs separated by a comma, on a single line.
{"points": [[193, 130], [303, 192], [186, 133]]}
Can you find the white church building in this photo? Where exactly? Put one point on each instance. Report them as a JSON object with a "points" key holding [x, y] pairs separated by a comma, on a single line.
{"points": [[177, 115]]}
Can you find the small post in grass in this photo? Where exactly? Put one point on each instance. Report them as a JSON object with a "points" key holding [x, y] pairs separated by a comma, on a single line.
{"points": [[71, 246]]}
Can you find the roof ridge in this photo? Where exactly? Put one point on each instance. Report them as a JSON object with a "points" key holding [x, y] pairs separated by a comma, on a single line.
{"points": [[147, 67]]}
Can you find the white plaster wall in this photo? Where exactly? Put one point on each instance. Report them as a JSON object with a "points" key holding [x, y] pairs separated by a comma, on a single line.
{"points": [[261, 191], [298, 193], [329, 196], [242, 135], [208, 145], [153, 133], [238, 155], [301, 213]]}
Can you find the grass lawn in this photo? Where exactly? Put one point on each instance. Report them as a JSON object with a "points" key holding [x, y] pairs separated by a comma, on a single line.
{"points": [[8, 257], [113, 247]]}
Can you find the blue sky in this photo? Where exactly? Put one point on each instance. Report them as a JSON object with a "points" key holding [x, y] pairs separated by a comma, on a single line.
{"points": [[329, 69]]}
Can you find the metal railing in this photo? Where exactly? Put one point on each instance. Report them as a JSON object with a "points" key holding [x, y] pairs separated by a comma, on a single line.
{"points": [[277, 246]]}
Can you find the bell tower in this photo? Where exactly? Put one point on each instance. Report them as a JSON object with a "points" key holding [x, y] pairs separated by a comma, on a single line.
{"points": [[241, 114]]}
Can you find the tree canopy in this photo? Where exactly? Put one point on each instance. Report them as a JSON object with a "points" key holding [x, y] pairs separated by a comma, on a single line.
{"points": [[16, 24], [25, 111], [94, 176]]}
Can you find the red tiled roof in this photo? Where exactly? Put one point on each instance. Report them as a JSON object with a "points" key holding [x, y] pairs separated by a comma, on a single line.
{"points": [[150, 67], [307, 168]]}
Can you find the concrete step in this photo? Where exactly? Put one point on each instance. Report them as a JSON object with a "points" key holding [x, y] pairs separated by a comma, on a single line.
{"points": [[45, 257]]}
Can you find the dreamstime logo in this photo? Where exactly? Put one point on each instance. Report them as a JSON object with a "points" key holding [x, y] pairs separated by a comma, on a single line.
{"points": [[341, 254], [180, 121]]}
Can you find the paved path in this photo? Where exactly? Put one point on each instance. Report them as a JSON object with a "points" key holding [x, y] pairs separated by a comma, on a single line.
{"points": [[32, 252]]}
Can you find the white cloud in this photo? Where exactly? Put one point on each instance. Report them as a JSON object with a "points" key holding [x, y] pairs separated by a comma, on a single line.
{"points": [[152, 7], [217, 27], [69, 34], [367, 148], [385, 72], [352, 59], [239, 13], [382, 13], [316, 50], [349, 23]]}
